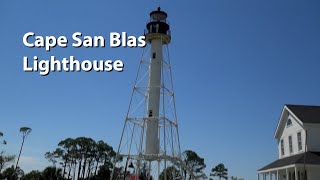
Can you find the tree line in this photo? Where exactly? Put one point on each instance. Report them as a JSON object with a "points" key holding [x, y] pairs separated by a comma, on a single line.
{"points": [[83, 158]]}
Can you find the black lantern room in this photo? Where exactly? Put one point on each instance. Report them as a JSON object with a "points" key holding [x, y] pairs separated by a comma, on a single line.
{"points": [[158, 26]]}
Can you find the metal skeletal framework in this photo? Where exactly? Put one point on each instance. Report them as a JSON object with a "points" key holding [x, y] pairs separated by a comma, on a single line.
{"points": [[149, 146]]}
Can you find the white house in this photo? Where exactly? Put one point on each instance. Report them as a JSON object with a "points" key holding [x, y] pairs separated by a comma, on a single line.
{"points": [[298, 136]]}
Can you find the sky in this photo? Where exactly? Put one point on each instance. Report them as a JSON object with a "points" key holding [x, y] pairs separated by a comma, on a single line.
{"points": [[235, 64]]}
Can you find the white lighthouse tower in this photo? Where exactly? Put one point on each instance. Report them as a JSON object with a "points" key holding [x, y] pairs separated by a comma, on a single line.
{"points": [[149, 147], [158, 34]]}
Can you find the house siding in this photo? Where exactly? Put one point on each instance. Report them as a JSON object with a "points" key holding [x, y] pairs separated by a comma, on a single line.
{"points": [[291, 130], [313, 138], [314, 173]]}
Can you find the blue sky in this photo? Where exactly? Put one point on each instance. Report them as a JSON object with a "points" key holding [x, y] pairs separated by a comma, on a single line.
{"points": [[235, 64]]}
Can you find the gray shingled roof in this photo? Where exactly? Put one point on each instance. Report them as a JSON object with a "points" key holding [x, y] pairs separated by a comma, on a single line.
{"points": [[307, 114], [308, 158]]}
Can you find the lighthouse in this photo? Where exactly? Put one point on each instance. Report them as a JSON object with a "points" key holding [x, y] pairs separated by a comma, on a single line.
{"points": [[157, 35], [149, 145]]}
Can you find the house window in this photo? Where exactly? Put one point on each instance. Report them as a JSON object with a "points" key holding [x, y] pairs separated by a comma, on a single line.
{"points": [[282, 147], [289, 122], [153, 55], [290, 145], [299, 141]]}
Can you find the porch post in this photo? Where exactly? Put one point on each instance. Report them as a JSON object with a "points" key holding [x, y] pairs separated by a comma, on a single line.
{"points": [[295, 173], [277, 175], [287, 174], [258, 176], [306, 175], [270, 173]]}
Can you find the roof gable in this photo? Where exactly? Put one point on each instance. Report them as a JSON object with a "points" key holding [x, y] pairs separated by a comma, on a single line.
{"points": [[301, 113], [283, 120]]}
